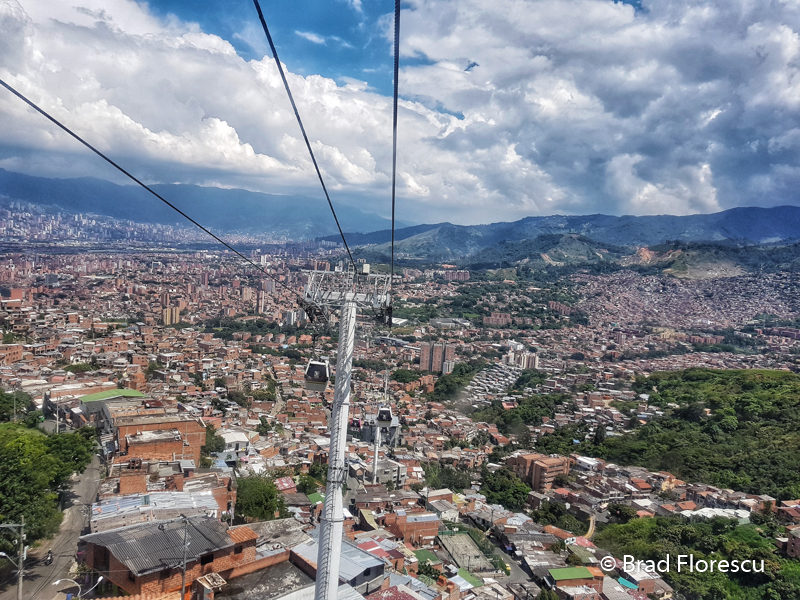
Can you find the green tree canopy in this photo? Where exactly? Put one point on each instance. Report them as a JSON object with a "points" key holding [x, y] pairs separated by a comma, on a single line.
{"points": [[307, 484], [33, 466], [405, 375], [258, 498], [12, 403], [214, 442], [505, 488]]}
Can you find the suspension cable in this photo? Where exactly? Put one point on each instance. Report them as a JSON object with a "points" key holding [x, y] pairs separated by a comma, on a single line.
{"points": [[394, 123], [302, 129], [148, 188]]}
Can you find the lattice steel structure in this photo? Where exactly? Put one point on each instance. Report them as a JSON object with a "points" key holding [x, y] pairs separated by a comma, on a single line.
{"points": [[325, 291]]}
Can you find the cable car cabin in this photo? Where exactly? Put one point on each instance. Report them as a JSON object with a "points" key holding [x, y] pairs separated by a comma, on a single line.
{"points": [[317, 375], [384, 416]]}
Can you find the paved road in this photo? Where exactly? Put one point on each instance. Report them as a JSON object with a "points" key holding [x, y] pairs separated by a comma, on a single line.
{"points": [[39, 577], [592, 525]]}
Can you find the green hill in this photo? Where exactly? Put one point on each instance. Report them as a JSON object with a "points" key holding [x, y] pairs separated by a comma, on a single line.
{"points": [[735, 429]]}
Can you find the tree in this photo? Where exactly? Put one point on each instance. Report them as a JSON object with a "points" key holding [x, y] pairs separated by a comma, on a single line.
{"points": [[264, 426], [79, 368], [318, 472], [14, 404], [560, 480], [599, 435], [265, 395], [239, 397], [621, 513], [257, 497], [480, 440], [405, 376], [505, 488], [574, 560], [307, 484], [150, 371], [214, 442], [427, 570], [33, 466], [73, 451]]}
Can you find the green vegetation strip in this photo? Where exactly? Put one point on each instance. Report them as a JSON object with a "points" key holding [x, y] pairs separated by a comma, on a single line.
{"points": [[720, 539]]}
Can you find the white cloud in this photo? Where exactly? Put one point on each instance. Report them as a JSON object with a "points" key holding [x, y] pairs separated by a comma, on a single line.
{"points": [[310, 36], [573, 107], [355, 5]]}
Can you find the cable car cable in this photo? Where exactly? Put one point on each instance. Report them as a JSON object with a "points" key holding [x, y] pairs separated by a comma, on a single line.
{"points": [[302, 129], [394, 124], [148, 188]]}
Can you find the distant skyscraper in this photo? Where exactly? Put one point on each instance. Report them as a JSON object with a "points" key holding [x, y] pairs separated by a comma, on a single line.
{"points": [[433, 356], [425, 357], [261, 302], [171, 315]]}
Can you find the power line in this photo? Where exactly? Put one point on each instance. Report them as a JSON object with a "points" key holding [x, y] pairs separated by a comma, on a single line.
{"points": [[300, 123], [394, 120], [149, 189]]}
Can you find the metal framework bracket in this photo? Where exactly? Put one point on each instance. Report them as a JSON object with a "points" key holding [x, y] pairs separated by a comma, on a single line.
{"points": [[325, 292]]}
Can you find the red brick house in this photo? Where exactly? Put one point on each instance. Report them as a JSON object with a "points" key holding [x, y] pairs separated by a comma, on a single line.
{"points": [[148, 558], [418, 528]]}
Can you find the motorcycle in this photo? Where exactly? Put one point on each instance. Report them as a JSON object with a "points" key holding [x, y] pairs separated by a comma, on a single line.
{"points": [[48, 560]]}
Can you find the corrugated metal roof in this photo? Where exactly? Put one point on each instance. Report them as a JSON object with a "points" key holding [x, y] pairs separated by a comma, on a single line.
{"points": [[154, 501], [416, 518], [414, 584], [354, 561], [148, 548]]}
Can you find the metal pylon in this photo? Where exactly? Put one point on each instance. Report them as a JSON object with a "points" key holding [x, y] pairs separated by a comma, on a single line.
{"points": [[325, 292]]}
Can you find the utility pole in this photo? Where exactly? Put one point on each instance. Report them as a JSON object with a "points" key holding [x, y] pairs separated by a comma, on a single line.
{"points": [[20, 553], [375, 458], [162, 527], [378, 432], [21, 559], [325, 291], [183, 568]]}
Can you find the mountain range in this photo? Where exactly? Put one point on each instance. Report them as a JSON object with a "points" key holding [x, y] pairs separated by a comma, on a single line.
{"points": [[485, 243], [533, 241], [222, 210]]}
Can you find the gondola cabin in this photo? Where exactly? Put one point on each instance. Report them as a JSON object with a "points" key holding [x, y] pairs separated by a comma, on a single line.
{"points": [[384, 416], [318, 374]]}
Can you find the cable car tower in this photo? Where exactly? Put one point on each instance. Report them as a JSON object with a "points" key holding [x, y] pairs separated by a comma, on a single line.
{"points": [[325, 292]]}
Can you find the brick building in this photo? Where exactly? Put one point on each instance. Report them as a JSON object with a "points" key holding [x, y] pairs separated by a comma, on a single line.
{"points": [[790, 545], [577, 577], [165, 444], [191, 430], [433, 356], [10, 353], [146, 558], [539, 470], [417, 528]]}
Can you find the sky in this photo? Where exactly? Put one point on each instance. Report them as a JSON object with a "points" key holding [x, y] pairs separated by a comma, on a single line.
{"points": [[508, 108]]}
